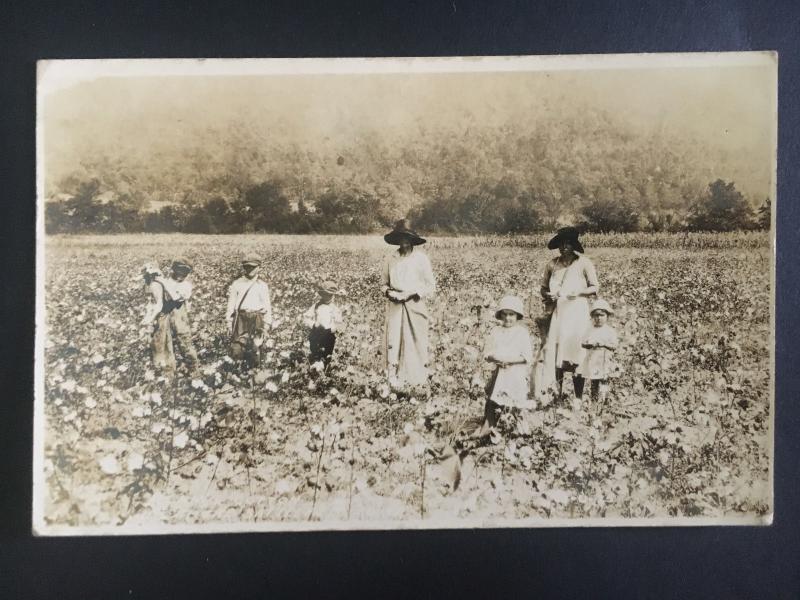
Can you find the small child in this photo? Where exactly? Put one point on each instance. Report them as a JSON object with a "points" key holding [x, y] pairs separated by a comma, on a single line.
{"points": [[509, 347], [325, 319], [598, 366]]}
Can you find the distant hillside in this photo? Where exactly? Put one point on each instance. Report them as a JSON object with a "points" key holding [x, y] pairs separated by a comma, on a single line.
{"points": [[405, 146]]}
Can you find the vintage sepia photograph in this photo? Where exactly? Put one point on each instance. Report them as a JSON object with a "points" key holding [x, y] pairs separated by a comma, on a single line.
{"points": [[330, 294]]}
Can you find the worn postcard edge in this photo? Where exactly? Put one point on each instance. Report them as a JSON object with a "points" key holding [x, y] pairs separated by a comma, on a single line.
{"points": [[53, 75]]}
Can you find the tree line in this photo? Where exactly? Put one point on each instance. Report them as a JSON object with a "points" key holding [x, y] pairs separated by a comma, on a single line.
{"points": [[266, 208]]}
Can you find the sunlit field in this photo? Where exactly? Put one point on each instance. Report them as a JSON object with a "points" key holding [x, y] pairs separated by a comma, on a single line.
{"points": [[686, 430]]}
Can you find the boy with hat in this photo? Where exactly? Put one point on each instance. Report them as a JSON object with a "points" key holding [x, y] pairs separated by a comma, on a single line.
{"points": [[600, 341], [249, 313], [324, 319]]}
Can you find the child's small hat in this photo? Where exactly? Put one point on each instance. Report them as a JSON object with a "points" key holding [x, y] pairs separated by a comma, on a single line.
{"points": [[251, 261], [601, 304], [181, 266], [328, 287], [513, 303], [150, 269]]}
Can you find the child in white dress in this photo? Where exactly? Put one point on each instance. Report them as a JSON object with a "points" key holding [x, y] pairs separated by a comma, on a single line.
{"points": [[509, 348], [600, 341]]}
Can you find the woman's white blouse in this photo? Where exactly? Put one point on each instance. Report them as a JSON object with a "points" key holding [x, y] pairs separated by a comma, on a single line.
{"points": [[410, 274]]}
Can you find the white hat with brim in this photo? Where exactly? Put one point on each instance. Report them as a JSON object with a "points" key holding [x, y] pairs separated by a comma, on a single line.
{"points": [[512, 303], [601, 304], [151, 269]]}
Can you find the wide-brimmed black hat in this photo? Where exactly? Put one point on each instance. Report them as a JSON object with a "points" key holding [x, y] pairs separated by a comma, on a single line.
{"points": [[401, 231], [566, 234]]}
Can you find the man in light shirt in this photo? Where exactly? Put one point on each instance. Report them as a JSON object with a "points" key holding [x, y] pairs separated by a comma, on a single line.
{"points": [[249, 313]]}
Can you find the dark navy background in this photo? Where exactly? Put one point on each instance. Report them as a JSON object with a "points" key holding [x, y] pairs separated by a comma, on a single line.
{"points": [[669, 562]]}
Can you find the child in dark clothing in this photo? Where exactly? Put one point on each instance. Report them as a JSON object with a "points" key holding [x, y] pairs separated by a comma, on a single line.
{"points": [[324, 319]]}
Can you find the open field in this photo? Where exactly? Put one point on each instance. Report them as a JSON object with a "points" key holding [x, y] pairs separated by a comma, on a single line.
{"points": [[686, 431]]}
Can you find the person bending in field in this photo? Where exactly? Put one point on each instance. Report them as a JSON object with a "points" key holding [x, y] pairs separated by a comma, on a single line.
{"points": [[509, 348], [249, 314], [324, 319], [600, 341], [168, 311]]}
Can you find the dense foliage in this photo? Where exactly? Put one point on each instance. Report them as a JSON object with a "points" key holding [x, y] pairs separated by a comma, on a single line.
{"points": [[265, 208], [686, 431]]}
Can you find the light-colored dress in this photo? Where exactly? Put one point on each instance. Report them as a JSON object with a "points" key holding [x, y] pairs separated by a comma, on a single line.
{"points": [[510, 385], [570, 318], [405, 337], [598, 363]]}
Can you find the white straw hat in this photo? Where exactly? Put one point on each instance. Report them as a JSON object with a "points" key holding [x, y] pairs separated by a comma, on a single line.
{"points": [[151, 269], [601, 304], [510, 303]]}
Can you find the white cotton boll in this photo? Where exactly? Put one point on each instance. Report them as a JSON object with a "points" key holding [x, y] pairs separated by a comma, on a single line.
{"points": [[135, 461], [285, 487], [180, 440], [109, 465]]}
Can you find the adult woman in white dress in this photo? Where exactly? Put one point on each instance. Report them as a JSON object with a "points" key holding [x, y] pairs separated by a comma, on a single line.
{"points": [[407, 281], [568, 284]]}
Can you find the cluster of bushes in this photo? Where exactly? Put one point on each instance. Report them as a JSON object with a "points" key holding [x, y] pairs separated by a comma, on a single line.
{"points": [[265, 207], [262, 208]]}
